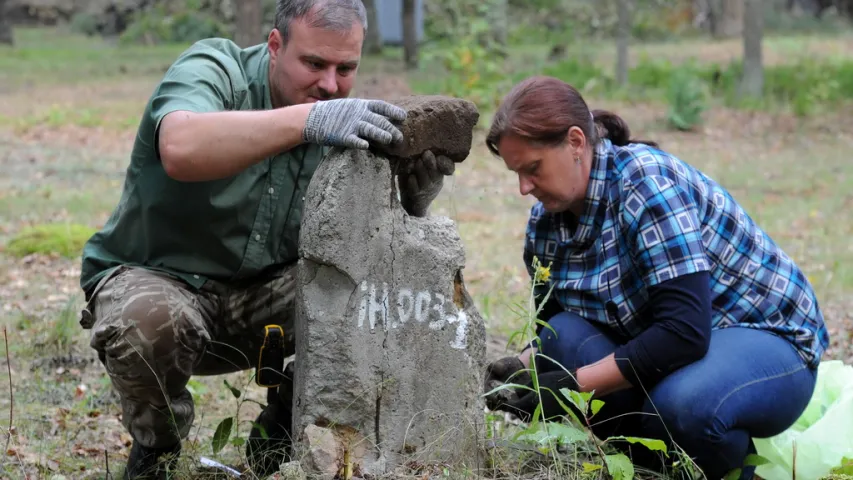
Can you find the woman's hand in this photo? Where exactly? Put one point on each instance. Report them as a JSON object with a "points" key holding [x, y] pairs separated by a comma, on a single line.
{"points": [[501, 372]]}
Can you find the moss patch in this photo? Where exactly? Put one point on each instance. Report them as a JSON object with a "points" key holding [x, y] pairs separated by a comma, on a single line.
{"points": [[62, 239]]}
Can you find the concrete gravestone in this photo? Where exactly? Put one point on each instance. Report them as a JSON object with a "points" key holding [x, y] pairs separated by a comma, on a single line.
{"points": [[390, 345]]}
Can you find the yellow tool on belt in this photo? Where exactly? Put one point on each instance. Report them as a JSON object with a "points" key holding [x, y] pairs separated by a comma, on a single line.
{"points": [[271, 358]]}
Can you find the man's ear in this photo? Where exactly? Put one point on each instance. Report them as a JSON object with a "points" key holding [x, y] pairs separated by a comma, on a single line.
{"points": [[274, 42]]}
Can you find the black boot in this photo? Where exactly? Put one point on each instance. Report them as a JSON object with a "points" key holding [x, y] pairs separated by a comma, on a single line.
{"points": [[150, 463], [269, 443]]}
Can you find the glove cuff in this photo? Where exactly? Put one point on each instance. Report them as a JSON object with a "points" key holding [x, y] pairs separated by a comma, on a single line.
{"points": [[312, 124]]}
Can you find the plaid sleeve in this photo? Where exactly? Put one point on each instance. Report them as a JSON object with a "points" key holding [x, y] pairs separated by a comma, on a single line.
{"points": [[664, 233]]}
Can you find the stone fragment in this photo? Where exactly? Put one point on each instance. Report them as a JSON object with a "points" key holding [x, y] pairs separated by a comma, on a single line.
{"points": [[442, 124], [390, 347], [323, 452]]}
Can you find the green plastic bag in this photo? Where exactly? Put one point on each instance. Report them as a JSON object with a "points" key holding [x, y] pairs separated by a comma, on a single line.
{"points": [[823, 434]]}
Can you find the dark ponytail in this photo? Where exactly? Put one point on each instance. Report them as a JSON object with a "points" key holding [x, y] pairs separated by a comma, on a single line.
{"points": [[541, 109], [612, 127]]}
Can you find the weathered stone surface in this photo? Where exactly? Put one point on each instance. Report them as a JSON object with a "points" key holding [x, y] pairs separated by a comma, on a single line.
{"points": [[391, 348], [442, 124]]}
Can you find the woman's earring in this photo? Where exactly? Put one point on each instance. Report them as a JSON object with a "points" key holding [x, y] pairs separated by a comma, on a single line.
{"points": [[578, 159]]}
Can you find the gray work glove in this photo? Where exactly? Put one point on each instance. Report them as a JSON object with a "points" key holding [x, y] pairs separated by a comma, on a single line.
{"points": [[352, 123], [421, 181]]}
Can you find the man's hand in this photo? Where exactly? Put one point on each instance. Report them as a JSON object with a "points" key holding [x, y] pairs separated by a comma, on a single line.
{"points": [[421, 182], [353, 123]]}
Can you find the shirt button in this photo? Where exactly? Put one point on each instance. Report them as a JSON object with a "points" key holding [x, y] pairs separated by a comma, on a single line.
{"points": [[195, 277], [258, 237], [271, 190]]}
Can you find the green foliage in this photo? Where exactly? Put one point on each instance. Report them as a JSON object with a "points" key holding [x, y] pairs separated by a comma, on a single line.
{"points": [[776, 19], [619, 466], [85, 23], [472, 60], [162, 25], [687, 100], [63, 239], [845, 470], [583, 73], [805, 86], [222, 434]]}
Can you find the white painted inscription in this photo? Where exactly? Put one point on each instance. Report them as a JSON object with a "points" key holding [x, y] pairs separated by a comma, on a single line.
{"points": [[376, 308]]}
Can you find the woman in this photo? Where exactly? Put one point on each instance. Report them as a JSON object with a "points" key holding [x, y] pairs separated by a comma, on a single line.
{"points": [[668, 301]]}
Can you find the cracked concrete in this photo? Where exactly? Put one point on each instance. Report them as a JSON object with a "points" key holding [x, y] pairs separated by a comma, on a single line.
{"points": [[390, 344]]}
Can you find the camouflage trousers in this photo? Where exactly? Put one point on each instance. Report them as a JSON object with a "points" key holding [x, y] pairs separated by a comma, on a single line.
{"points": [[153, 331]]}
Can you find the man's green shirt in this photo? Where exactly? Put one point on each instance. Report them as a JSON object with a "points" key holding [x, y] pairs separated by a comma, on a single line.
{"points": [[225, 230]]}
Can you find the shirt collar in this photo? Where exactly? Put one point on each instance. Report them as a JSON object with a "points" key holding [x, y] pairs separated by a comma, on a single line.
{"points": [[257, 58], [589, 224]]}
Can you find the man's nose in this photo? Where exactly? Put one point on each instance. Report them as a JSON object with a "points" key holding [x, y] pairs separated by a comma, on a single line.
{"points": [[329, 82]]}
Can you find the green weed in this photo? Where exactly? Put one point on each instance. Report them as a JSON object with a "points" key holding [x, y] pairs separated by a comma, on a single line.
{"points": [[66, 240], [688, 100]]}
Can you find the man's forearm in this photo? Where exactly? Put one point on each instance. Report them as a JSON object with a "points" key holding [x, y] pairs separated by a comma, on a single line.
{"points": [[197, 147]]}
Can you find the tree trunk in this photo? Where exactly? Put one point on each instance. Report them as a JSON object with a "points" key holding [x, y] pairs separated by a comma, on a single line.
{"points": [[498, 17], [752, 83], [410, 35], [623, 37], [249, 23], [731, 18], [5, 24], [724, 17], [373, 41]]}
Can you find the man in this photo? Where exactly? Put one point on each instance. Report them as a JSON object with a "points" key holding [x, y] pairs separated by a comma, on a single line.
{"points": [[199, 256]]}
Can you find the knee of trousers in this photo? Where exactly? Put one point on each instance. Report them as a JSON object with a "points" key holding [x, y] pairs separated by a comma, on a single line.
{"points": [[152, 336], [682, 415]]}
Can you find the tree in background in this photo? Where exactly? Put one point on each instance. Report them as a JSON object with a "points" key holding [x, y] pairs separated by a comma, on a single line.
{"points": [[5, 25], [373, 42], [498, 17], [249, 20], [623, 37], [752, 82], [410, 35], [722, 18], [730, 18]]}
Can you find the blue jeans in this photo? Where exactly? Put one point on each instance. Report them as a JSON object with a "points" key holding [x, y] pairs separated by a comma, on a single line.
{"points": [[751, 383]]}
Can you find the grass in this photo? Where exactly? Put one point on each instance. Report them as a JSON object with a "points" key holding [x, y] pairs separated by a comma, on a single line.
{"points": [[63, 239], [68, 106]]}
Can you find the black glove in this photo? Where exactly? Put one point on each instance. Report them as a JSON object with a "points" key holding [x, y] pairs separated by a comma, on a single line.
{"points": [[265, 455], [421, 182], [498, 373], [550, 383]]}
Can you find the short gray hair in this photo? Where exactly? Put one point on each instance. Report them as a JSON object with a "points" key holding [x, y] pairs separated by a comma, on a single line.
{"points": [[337, 15]]}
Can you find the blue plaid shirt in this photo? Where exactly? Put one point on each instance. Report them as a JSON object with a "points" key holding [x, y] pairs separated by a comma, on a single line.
{"points": [[650, 217]]}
